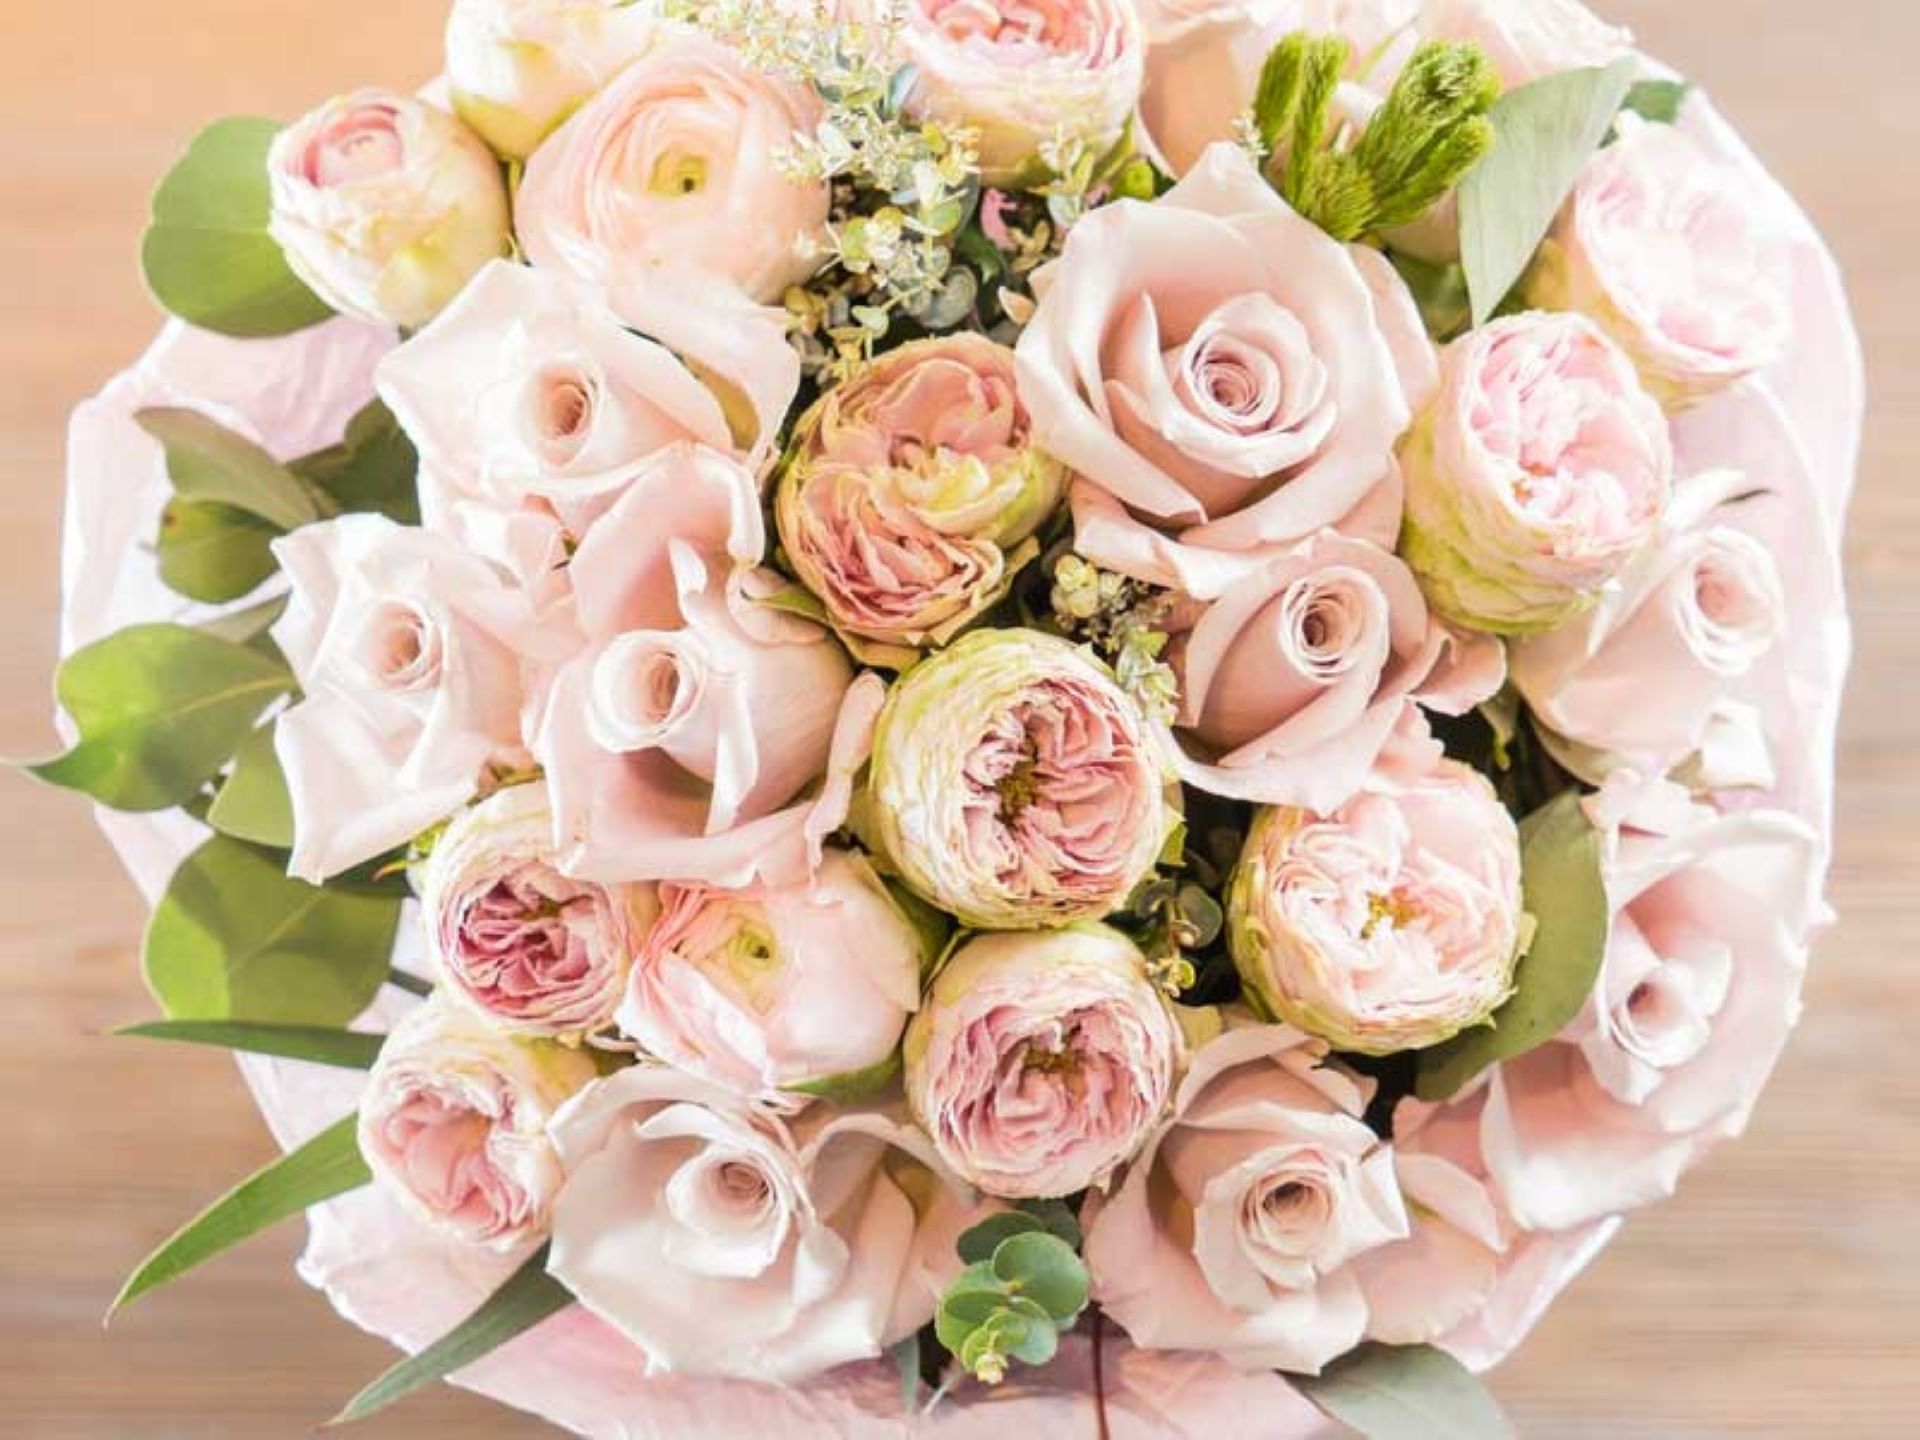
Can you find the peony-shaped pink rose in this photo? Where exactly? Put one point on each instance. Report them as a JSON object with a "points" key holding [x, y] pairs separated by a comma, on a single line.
{"points": [[1019, 74], [1391, 924], [911, 493], [1221, 377], [780, 992], [1238, 1229], [385, 206], [1535, 477], [1038, 1063], [672, 174], [1527, 40], [454, 1124], [1672, 252], [724, 1240], [692, 715]]}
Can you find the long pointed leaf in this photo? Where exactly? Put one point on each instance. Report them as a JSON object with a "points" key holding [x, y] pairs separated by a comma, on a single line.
{"points": [[1406, 1392], [323, 1045]]}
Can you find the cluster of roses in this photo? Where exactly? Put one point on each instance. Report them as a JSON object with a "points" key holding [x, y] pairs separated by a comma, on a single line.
{"points": [[801, 827]]}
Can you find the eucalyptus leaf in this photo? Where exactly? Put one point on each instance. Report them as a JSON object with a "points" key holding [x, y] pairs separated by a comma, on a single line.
{"points": [[207, 461], [213, 552], [327, 1165], [1406, 1392], [1566, 895], [235, 938], [1045, 1270], [159, 709], [1544, 133], [978, 1243], [207, 255], [253, 803], [323, 1045], [374, 468]]}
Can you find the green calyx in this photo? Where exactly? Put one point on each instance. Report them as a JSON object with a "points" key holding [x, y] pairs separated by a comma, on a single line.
{"points": [[1023, 1286]]}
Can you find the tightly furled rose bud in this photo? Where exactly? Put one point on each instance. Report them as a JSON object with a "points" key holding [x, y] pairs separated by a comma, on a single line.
{"points": [[1391, 924], [773, 989], [1021, 73], [1039, 1062], [454, 1123], [385, 206], [1527, 40], [1015, 785], [907, 487], [1534, 477], [1667, 248]]}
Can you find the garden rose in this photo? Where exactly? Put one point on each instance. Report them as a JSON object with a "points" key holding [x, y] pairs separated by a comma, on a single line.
{"points": [[1391, 924], [533, 951], [1667, 248], [1534, 478], [1015, 785], [1527, 40], [1039, 1062], [724, 1240], [385, 206], [671, 174], [1222, 372], [1238, 1228], [1021, 73], [454, 1124], [408, 651], [911, 492], [771, 989]]}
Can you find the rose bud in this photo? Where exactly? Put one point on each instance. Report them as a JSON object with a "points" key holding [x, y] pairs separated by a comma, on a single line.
{"points": [[1021, 74], [722, 1239], [1527, 40], [801, 988], [1039, 1062], [531, 950], [454, 1124], [1534, 478], [1392, 923], [385, 206], [1238, 1228], [911, 492], [1015, 785], [1668, 249]]}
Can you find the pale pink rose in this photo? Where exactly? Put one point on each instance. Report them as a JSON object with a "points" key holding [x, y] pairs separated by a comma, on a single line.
{"points": [[385, 206], [780, 991], [1020, 72], [1671, 251], [672, 173], [1644, 677], [409, 655], [724, 1240], [1700, 987], [911, 492], [1535, 477], [453, 1124], [692, 716], [1222, 371], [1392, 923], [1238, 1229], [1039, 1062], [1527, 40]]}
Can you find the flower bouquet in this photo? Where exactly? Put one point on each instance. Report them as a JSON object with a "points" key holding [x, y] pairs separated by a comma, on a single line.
{"points": [[901, 718]]}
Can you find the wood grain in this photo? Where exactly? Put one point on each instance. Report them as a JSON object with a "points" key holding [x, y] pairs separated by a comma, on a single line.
{"points": [[1778, 1295]]}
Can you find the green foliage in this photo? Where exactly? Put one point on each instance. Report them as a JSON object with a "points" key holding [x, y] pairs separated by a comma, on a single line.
{"points": [[213, 552], [253, 803], [1406, 1392], [1658, 101], [1440, 291], [374, 468], [854, 1087], [323, 1045], [207, 461], [1023, 1285]]}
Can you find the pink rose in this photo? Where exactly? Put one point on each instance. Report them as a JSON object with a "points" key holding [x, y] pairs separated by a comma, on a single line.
{"points": [[1219, 375], [1527, 40], [408, 651], [1039, 1062], [454, 1124], [1669, 250], [1238, 1229], [724, 1240]]}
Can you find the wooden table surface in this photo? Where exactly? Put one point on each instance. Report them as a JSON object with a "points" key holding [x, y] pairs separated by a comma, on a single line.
{"points": [[1778, 1295]]}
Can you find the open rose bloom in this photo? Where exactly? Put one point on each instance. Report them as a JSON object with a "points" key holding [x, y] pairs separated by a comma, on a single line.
{"points": [[900, 704]]}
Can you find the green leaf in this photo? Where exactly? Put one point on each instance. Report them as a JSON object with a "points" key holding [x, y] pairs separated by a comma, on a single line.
{"points": [[1057, 1217], [1566, 895], [374, 468], [1045, 1270], [529, 1296], [346, 1049], [247, 626], [978, 1243], [327, 1165], [159, 708], [207, 255], [970, 1297], [234, 938], [1441, 293], [906, 1355], [852, 1087], [1405, 1392], [213, 552], [207, 461], [1658, 101], [1544, 133], [253, 803]]}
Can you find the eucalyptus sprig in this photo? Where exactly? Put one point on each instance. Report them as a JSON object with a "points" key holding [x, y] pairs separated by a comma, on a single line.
{"points": [[1125, 621], [1024, 1285]]}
